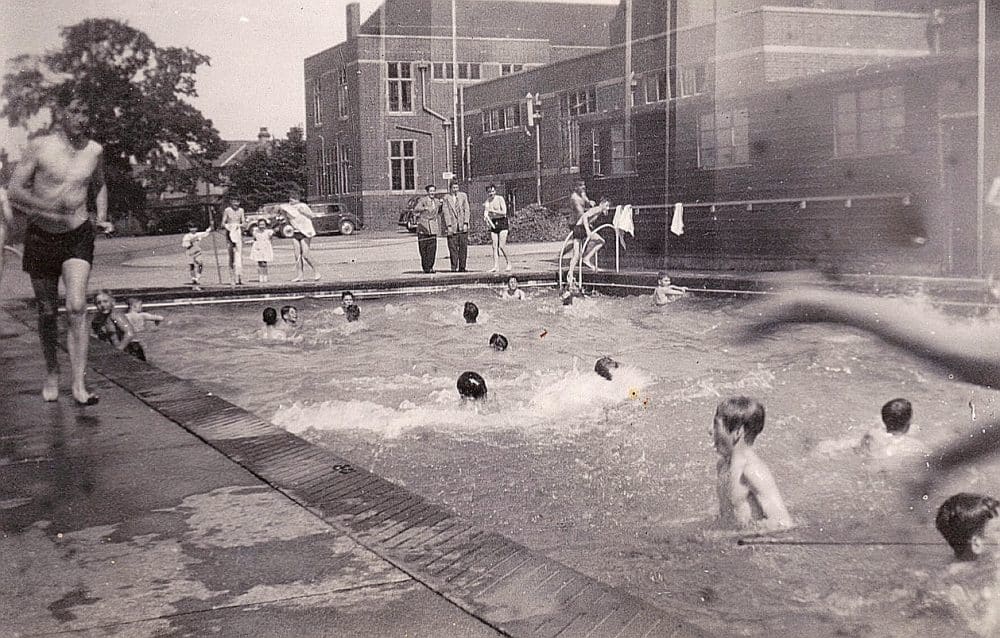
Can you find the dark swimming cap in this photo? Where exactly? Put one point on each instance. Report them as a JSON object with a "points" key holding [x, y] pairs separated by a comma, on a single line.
{"points": [[498, 342], [471, 386], [604, 366], [471, 312], [352, 312], [270, 316]]}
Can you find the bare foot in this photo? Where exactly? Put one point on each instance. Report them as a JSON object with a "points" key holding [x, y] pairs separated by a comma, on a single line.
{"points": [[50, 390], [82, 396]]}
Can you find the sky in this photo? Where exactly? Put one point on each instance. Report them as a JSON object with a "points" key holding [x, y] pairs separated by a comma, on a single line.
{"points": [[256, 46]]}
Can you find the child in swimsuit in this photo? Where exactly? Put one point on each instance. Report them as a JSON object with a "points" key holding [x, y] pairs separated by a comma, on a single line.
{"points": [[112, 326]]}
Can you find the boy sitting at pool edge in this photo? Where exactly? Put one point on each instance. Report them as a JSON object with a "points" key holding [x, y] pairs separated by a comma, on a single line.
{"points": [[968, 522], [748, 495]]}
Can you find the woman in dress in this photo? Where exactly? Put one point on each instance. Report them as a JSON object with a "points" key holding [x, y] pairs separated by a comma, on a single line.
{"points": [[299, 215], [495, 213]]}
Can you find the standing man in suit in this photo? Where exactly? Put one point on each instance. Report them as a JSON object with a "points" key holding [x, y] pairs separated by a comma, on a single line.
{"points": [[456, 213], [428, 211]]}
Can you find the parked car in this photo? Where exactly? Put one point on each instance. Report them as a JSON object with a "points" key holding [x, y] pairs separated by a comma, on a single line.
{"points": [[327, 219], [408, 217]]}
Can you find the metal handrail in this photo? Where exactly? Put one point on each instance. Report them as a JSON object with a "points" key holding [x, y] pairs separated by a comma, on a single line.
{"points": [[802, 201], [583, 250]]}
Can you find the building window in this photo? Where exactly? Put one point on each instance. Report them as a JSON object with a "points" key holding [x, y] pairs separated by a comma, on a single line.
{"points": [[402, 165], [507, 69], [656, 86], [442, 71], [400, 87], [344, 170], [723, 139], [320, 172], [578, 102], [317, 102], [569, 144], [692, 81], [869, 122], [595, 153], [343, 107], [446, 71], [504, 118], [327, 184], [621, 162]]}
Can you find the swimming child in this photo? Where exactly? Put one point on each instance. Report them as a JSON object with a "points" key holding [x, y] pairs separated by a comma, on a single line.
{"points": [[512, 291], [346, 300], [191, 242], [289, 319], [665, 292], [137, 317], [968, 522], [271, 331], [261, 251], [498, 342], [470, 312], [748, 495], [889, 439], [471, 386], [112, 326], [604, 366]]}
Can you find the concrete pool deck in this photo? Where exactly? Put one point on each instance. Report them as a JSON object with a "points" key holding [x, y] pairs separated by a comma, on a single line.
{"points": [[164, 510]]}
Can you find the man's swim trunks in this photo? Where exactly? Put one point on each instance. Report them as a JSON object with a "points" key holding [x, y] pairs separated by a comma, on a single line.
{"points": [[45, 253]]}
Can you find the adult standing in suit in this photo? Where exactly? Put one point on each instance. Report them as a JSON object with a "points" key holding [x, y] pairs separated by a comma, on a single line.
{"points": [[456, 214], [428, 211]]}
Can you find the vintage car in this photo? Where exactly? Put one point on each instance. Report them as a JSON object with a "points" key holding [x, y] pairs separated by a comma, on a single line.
{"points": [[328, 219]]}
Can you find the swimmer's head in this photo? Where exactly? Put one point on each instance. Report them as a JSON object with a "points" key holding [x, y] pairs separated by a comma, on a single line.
{"points": [[346, 299], [353, 313], [471, 386], [968, 522], [104, 301], [736, 418], [470, 312], [135, 304], [896, 416], [604, 366], [270, 316], [663, 278], [290, 314], [498, 342], [512, 284]]}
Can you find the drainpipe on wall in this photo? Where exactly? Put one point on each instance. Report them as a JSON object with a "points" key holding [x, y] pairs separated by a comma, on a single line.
{"points": [[445, 122]]}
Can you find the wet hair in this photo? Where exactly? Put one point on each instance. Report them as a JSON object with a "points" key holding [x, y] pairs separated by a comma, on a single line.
{"points": [[346, 294], [498, 342], [963, 516], [270, 316], [285, 310], [352, 312], [741, 413], [470, 312], [471, 386], [134, 301], [896, 415], [604, 366]]}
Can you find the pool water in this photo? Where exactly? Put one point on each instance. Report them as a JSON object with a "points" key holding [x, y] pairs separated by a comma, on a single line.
{"points": [[617, 478]]}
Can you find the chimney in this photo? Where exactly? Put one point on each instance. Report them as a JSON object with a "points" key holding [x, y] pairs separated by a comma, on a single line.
{"points": [[263, 137], [353, 20]]}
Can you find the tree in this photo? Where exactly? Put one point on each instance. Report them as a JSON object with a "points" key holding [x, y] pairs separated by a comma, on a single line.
{"points": [[266, 175], [135, 96]]}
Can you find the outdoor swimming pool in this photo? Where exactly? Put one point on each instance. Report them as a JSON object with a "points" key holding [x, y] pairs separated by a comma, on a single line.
{"points": [[617, 479]]}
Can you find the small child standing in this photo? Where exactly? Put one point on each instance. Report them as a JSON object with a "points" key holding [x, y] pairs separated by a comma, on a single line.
{"points": [[191, 242], [665, 292], [748, 495], [968, 523], [137, 317], [261, 251]]}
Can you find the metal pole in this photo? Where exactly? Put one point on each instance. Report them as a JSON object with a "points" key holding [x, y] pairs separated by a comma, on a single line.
{"points": [[454, 78], [981, 140], [538, 162], [627, 81]]}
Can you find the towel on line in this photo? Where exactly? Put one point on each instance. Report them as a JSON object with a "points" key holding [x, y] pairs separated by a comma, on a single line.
{"points": [[677, 225]]}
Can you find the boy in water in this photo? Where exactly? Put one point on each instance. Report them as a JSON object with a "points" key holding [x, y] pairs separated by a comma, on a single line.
{"points": [[665, 292], [891, 440], [346, 301], [112, 326], [968, 522], [138, 317], [191, 242], [748, 495], [270, 331], [512, 291]]}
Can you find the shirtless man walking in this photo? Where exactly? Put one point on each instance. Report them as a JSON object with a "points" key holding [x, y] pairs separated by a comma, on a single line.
{"points": [[50, 185]]}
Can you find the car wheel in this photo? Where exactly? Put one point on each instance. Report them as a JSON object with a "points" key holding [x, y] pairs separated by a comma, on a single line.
{"points": [[286, 231], [346, 227]]}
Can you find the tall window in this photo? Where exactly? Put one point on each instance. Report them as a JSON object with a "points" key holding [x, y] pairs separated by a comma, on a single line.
{"points": [[320, 173], [691, 80], [595, 152], [343, 107], [621, 162], [869, 122], [344, 170], [402, 161], [578, 102], [317, 101], [656, 86], [569, 143], [723, 139], [400, 86], [327, 172]]}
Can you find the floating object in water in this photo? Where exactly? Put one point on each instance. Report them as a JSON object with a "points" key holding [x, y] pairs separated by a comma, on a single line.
{"points": [[472, 386], [498, 342]]}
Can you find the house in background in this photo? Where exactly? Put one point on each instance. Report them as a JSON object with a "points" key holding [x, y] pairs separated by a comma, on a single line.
{"points": [[382, 107]]}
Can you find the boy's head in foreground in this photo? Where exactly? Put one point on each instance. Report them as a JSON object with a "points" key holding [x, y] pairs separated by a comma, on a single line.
{"points": [[289, 314], [968, 522], [604, 366], [737, 419], [270, 316], [896, 416], [346, 299], [470, 312]]}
